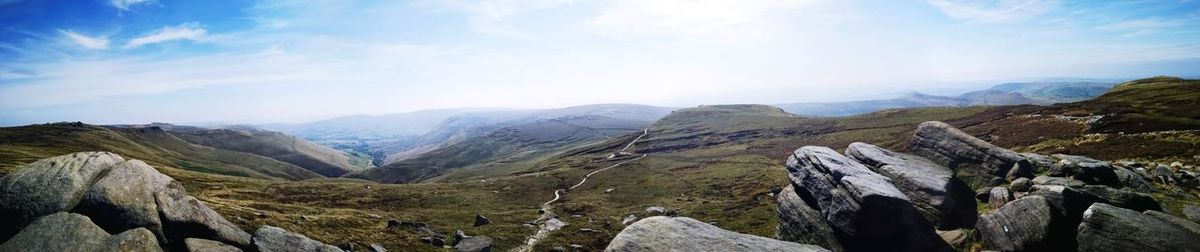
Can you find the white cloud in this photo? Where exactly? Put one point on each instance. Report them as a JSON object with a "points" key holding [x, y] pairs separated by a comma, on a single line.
{"points": [[653, 17], [1139, 26], [492, 16], [994, 11], [184, 32], [96, 43], [126, 4]]}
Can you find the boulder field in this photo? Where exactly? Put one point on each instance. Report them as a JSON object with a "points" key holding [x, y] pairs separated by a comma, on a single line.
{"points": [[873, 199], [98, 201]]}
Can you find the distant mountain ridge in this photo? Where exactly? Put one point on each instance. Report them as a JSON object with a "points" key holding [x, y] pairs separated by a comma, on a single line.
{"points": [[1036, 93]]}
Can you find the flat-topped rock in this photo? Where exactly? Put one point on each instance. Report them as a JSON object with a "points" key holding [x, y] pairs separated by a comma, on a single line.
{"points": [[975, 161], [944, 200], [661, 233], [864, 209]]}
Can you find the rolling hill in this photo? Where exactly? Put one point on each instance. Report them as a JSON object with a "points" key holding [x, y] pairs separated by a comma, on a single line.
{"points": [[1037, 93], [290, 149]]}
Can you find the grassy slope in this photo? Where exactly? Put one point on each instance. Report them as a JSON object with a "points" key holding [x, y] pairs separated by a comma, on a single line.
{"points": [[290, 149], [20, 145]]}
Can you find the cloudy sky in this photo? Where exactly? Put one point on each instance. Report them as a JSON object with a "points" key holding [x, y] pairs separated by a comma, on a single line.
{"points": [[247, 61]]}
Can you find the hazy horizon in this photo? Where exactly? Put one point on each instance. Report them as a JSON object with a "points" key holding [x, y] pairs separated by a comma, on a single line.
{"points": [[140, 61]]}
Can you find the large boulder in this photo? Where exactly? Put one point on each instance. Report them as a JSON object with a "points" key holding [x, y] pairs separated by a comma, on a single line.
{"points": [[1124, 199], [1133, 180], [1057, 181], [800, 223], [124, 198], [47, 186], [73, 232], [1022, 225], [1109, 228], [269, 239], [661, 233], [1088, 170], [975, 161], [202, 245], [474, 244], [185, 216], [864, 209], [944, 200]]}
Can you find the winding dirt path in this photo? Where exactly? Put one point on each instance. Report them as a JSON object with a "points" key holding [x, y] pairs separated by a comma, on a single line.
{"points": [[549, 221]]}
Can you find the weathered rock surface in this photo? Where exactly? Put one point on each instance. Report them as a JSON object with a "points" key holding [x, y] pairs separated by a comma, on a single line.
{"points": [[1124, 199], [47, 186], [945, 201], [662, 233], [999, 197], [474, 244], [73, 232], [1020, 185], [1088, 170], [1110, 228], [268, 239], [1058, 181], [1133, 180], [186, 217], [1021, 225], [124, 198], [800, 223], [202, 245], [1192, 212], [975, 161], [864, 209]]}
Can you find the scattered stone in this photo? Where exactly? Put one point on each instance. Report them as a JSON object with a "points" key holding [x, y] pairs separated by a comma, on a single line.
{"points": [[973, 160], [575, 247], [558, 249], [1163, 174], [1040, 162], [1020, 185], [863, 207], [942, 199], [202, 245], [481, 220], [459, 235], [609, 190], [662, 233], [655, 210], [376, 248], [983, 193], [1110, 228], [374, 216], [1132, 180], [956, 238], [629, 220], [1046, 180], [435, 241], [269, 239], [800, 223], [1019, 170], [475, 244], [74, 232], [1022, 225], [1088, 170], [999, 197]]}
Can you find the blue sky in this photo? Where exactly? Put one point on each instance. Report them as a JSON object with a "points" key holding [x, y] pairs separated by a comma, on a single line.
{"points": [[248, 61]]}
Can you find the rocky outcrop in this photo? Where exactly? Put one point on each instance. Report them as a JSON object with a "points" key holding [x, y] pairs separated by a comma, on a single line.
{"points": [[73, 232], [47, 186], [661, 233], [129, 198], [975, 161], [864, 209], [1057, 181], [1022, 225], [474, 244], [269, 239], [944, 200], [1110, 228], [1133, 180], [800, 223], [1125, 199], [1088, 170]]}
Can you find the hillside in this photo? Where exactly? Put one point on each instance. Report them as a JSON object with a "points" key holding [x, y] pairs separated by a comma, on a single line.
{"points": [[375, 136], [290, 149], [502, 151], [1036, 93], [1057, 92], [467, 125], [24, 144]]}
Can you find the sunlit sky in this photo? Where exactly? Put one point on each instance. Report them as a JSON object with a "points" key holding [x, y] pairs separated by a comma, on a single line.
{"points": [[238, 61]]}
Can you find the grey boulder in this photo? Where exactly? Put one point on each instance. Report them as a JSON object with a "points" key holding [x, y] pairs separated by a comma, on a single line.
{"points": [[1110, 228], [47, 186], [944, 200], [268, 239], [1058, 181], [73, 232], [1088, 170], [185, 216], [1124, 199], [661, 233], [124, 198], [800, 223], [974, 160], [864, 209], [999, 197], [202, 245], [474, 244], [1022, 225]]}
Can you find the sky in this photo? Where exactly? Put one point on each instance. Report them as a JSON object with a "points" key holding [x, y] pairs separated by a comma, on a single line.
{"points": [[250, 61]]}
